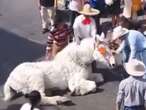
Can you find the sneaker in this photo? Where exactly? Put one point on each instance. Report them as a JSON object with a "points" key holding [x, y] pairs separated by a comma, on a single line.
{"points": [[52, 28], [45, 30]]}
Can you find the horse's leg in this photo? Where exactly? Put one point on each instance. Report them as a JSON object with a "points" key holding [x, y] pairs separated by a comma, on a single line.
{"points": [[54, 100]]}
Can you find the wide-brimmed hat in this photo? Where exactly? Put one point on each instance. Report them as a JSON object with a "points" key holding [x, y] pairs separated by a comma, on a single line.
{"points": [[118, 32], [87, 10], [135, 67]]}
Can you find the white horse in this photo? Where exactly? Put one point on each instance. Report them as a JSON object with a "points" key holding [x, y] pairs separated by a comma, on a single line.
{"points": [[69, 69]]}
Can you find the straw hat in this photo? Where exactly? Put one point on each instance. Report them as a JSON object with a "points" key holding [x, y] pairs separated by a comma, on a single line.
{"points": [[118, 32], [135, 67], [87, 10]]}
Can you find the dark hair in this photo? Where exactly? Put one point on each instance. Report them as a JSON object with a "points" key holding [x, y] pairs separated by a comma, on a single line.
{"points": [[124, 22], [59, 17], [34, 98], [129, 24]]}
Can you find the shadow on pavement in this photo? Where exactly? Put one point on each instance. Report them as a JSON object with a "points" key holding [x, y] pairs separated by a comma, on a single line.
{"points": [[18, 106], [13, 107], [115, 74], [13, 50]]}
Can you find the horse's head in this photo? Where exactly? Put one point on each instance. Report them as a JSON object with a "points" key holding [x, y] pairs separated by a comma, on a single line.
{"points": [[94, 49], [103, 53]]}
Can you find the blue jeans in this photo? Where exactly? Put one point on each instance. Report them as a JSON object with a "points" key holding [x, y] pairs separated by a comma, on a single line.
{"points": [[134, 108]]}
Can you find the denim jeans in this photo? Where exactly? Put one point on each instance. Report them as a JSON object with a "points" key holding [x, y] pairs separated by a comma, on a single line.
{"points": [[134, 108]]}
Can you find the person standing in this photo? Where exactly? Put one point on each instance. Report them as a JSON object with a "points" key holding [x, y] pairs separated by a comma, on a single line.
{"points": [[99, 5], [84, 25], [75, 6], [132, 90], [133, 41], [47, 12], [114, 9], [136, 7]]}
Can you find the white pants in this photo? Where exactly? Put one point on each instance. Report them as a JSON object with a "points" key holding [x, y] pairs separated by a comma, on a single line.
{"points": [[47, 16]]}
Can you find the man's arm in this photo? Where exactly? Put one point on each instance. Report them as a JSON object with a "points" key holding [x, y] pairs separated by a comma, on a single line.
{"points": [[132, 44], [76, 30], [93, 29], [121, 47]]}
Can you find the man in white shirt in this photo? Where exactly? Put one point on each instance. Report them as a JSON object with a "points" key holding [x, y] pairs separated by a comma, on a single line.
{"points": [[84, 25]]}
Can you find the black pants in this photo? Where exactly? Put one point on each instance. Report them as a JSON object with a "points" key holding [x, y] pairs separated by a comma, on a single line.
{"points": [[97, 21], [73, 15]]}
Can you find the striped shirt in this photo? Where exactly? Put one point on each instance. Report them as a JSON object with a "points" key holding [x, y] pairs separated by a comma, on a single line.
{"points": [[59, 36]]}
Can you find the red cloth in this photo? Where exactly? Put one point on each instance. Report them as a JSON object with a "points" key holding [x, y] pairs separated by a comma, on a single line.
{"points": [[86, 21]]}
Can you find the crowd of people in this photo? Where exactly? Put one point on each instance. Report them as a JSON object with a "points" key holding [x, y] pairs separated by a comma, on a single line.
{"points": [[85, 21]]}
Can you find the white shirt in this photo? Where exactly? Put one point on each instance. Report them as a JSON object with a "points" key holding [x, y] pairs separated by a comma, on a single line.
{"points": [[27, 106], [83, 31]]}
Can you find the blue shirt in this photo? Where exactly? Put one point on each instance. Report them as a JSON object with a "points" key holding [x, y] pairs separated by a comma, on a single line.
{"points": [[136, 41], [132, 91]]}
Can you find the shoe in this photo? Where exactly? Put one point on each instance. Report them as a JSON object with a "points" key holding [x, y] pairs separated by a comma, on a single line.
{"points": [[45, 30], [52, 28]]}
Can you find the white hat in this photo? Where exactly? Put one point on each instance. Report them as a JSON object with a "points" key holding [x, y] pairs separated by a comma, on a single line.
{"points": [[87, 10], [118, 32], [135, 67], [109, 2]]}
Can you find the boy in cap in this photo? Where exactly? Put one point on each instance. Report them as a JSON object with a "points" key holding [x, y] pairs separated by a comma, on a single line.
{"points": [[132, 91]]}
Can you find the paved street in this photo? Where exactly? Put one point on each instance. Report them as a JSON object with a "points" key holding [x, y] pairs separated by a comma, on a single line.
{"points": [[21, 40]]}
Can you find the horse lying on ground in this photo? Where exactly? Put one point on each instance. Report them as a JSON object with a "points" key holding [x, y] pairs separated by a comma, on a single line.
{"points": [[69, 69]]}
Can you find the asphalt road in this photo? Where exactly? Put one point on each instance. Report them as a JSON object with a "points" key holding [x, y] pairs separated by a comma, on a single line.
{"points": [[21, 40]]}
